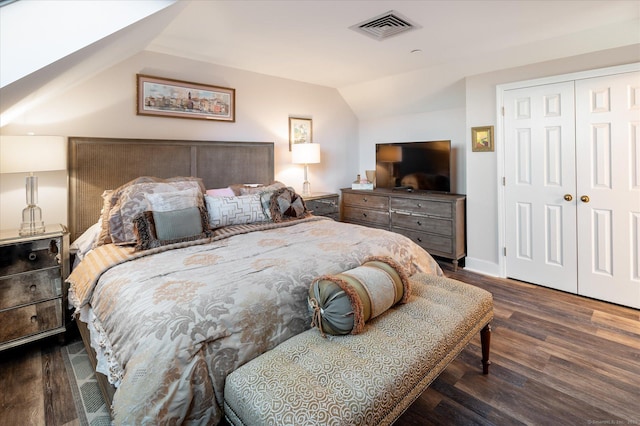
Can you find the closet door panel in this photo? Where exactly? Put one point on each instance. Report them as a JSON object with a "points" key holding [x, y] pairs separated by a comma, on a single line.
{"points": [[608, 189], [539, 173]]}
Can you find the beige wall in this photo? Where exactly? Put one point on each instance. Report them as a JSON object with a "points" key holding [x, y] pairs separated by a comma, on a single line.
{"points": [[104, 106]]}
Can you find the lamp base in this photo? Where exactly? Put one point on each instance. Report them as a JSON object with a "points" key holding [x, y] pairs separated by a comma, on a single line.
{"points": [[306, 188], [32, 223]]}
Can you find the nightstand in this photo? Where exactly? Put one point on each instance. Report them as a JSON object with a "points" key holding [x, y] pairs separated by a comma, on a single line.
{"points": [[33, 293], [323, 204]]}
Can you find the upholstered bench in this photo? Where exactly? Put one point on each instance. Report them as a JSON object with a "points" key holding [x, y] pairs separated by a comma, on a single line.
{"points": [[365, 379]]}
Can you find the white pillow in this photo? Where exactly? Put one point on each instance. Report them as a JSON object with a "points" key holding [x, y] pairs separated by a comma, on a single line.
{"points": [[240, 210], [176, 200], [84, 243]]}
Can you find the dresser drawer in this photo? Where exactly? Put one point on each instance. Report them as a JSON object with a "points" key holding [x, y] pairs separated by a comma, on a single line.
{"points": [[31, 319], [424, 207], [30, 287], [423, 223], [369, 217], [29, 256], [366, 200], [434, 244]]}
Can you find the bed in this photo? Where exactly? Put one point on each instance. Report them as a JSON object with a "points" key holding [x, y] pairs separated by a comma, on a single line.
{"points": [[166, 323]]}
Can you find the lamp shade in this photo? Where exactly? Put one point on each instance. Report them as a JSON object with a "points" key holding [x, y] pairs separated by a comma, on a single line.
{"points": [[20, 154], [390, 154], [305, 153]]}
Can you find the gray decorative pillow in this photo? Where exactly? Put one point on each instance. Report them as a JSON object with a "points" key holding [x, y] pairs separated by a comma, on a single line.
{"points": [[241, 210], [112, 198], [146, 235], [171, 225], [132, 201], [286, 204], [342, 303]]}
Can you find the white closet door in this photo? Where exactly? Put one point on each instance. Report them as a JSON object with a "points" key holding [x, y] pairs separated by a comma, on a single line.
{"points": [[608, 171], [540, 185]]}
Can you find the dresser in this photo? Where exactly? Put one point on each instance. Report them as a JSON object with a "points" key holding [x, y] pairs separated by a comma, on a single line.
{"points": [[33, 296], [434, 221], [323, 204]]}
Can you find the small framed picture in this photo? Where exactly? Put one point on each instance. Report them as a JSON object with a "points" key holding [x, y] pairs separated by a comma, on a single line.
{"points": [[482, 139], [300, 131], [183, 99]]}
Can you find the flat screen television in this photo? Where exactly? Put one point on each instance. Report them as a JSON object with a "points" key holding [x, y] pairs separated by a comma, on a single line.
{"points": [[414, 166]]}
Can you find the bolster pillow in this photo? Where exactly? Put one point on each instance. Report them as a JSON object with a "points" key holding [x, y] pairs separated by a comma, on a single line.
{"points": [[342, 303]]}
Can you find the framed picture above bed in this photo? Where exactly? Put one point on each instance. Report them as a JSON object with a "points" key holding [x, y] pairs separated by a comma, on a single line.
{"points": [[183, 99]]}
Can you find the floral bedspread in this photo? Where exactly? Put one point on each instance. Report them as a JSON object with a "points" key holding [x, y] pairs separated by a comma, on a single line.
{"points": [[177, 321]]}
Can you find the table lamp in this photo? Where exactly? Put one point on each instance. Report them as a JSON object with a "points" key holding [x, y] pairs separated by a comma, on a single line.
{"points": [[305, 153], [30, 154]]}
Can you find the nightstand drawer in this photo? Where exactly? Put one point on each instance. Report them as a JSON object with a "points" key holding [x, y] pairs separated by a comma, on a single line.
{"points": [[29, 256], [322, 207], [31, 319], [30, 287]]}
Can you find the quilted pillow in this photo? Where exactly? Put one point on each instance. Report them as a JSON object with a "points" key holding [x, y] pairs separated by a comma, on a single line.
{"points": [[221, 192], [287, 205], [174, 200], [111, 198], [241, 210], [162, 228], [342, 303], [133, 201], [244, 189]]}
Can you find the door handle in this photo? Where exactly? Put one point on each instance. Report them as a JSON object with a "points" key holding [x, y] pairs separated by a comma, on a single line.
{"points": [[584, 198], [568, 197]]}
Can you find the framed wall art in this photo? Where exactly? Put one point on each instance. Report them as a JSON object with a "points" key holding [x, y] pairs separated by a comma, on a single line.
{"points": [[300, 131], [183, 99], [482, 139]]}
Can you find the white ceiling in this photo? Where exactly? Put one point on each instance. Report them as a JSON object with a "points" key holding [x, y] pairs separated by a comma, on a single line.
{"points": [[311, 41]]}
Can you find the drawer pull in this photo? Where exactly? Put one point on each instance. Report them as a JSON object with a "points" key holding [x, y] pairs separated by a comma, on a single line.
{"points": [[364, 214], [419, 205], [419, 239], [419, 223], [365, 199], [34, 318], [33, 256], [33, 288]]}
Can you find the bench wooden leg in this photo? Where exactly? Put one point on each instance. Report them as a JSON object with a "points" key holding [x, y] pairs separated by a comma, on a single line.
{"points": [[485, 342]]}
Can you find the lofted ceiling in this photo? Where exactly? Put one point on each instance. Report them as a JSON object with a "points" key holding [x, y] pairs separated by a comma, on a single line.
{"points": [[312, 41]]}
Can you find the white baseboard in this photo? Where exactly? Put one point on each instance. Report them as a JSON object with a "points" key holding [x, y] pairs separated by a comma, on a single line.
{"points": [[482, 267]]}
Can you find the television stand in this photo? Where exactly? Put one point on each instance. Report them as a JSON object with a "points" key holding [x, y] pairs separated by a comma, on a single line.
{"points": [[435, 221]]}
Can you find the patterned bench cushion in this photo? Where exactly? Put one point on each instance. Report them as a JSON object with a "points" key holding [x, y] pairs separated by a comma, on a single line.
{"points": [[364, 379]]}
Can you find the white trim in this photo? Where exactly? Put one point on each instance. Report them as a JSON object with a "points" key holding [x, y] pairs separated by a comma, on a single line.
{"points": [[499, 134], [481, 266]]}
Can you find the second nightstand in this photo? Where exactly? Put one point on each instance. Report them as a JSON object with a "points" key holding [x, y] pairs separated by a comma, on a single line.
{"points": [[323, 204], [33, 297]]}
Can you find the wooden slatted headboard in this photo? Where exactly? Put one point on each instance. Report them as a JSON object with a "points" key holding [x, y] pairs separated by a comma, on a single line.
{"points": [[96, 164]]}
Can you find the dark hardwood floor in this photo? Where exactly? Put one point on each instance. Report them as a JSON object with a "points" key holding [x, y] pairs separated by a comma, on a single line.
{"points": [[556, 359]]}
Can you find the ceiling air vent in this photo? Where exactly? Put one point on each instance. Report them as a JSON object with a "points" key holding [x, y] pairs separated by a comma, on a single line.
{"points": [[384, 26]]}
